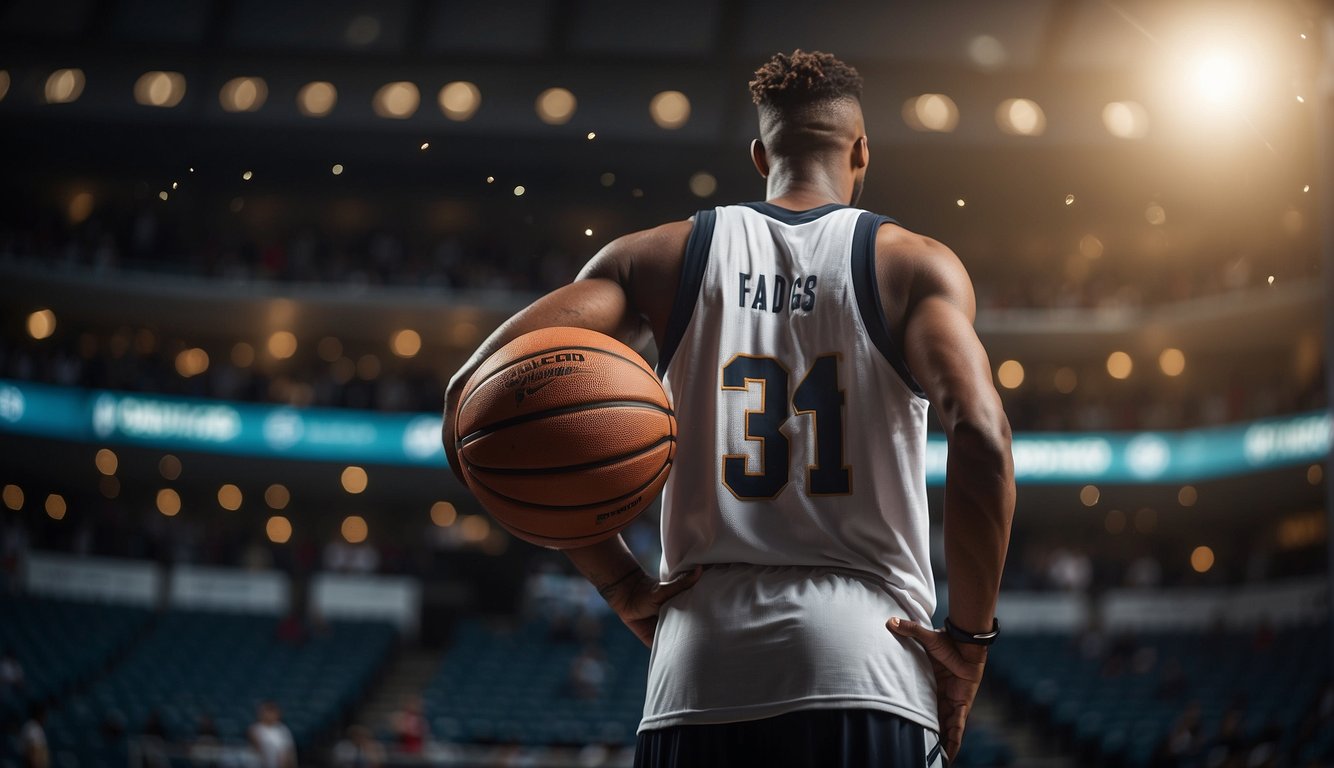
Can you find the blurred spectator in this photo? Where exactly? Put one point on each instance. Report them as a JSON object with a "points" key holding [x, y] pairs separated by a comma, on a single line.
{"points": [[1186, 737], [588, 673], [153, 742], [358, 749], [1070, 570], [410, 729], [12, 681], [35, 752], [271, 740]]}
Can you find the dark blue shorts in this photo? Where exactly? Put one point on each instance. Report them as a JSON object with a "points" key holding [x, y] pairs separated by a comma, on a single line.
{"points": [[814, 738]]}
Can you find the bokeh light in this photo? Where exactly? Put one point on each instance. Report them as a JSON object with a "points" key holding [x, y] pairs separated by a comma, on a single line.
{"points": [[703, 184], [1010, 374], [1115, 522], [1125, 120], [1089, 495], [443, 514], [670, 109], [278, 529], [354, 479], [555, 106], [282, 344], [13, 498], [191, 362], [169, 467], [397, 101], [933, 112], [64, 86], [55, 506], [168, 502], [229, 497], [106, 461], [277, 496], [243, 354], [243, 94], [1119, 365], [1021, 117], [316, 99], [1202, 559], [354, 529], [460, 100], [1172, 361], [159, 89], [41, 324], [405, 343]]}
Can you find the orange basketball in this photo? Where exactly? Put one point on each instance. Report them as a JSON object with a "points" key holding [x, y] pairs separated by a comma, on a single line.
{"points": [[565, 435]]}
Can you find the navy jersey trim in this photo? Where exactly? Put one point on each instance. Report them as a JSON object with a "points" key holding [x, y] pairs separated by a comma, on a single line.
{"points": [[794, 217], [868, 296], [687, 290]]}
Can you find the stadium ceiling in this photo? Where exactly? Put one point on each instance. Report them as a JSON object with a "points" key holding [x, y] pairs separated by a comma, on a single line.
{"points": [[1016, 106], [1070, 58]]}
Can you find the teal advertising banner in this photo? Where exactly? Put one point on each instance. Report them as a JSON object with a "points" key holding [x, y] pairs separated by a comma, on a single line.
{"points": [[350, 436]]}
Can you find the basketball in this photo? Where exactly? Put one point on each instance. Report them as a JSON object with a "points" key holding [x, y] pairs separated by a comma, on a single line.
{"points": [[565, 435]]}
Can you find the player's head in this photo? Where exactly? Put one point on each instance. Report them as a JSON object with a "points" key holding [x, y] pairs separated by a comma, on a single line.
{"points": [[810, 112]]}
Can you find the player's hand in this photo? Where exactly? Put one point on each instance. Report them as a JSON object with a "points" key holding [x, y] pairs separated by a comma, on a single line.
{"points": [[638, 599], [958, 670]]}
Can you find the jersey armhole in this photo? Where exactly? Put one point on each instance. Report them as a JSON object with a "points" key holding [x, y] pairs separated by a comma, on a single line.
{"points": [[867, 292], [687, 290]]}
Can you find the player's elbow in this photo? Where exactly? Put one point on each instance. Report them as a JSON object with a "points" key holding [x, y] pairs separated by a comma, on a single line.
{"points": [[981, 440]]}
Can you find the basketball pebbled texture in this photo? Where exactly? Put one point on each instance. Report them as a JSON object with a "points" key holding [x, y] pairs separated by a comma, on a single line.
{"points": [[565, 436]]}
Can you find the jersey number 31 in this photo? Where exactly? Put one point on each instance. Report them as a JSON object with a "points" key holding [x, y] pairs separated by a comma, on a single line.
{"points": [[817, 396]]}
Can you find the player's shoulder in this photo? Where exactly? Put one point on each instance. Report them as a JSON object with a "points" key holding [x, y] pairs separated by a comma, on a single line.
{"points": [[645, 254], [920, 265], [663, 241], [895, 241]]}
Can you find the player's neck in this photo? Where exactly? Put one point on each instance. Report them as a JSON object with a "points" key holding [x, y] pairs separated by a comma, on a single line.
{"points": [[800, 189]]}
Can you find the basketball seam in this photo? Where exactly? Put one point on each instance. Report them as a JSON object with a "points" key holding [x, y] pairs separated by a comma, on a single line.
{"points": [[574, 508], [515, 421], [572, 467], [473, 389]]}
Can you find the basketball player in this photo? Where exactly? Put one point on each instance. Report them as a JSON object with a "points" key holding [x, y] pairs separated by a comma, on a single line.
{"points": [[801, 340]]}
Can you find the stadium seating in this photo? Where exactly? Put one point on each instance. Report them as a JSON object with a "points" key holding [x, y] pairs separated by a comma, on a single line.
{"points": [[1116, 701], [512, 686], [194, 664], [60, 645]]}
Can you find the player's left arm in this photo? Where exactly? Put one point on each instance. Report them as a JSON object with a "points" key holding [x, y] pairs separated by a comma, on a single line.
{"points": [[611, 295], [619, 293]]}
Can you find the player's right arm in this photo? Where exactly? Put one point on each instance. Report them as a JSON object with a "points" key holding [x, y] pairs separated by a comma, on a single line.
{"points": [[625, 291], [948, 361]]}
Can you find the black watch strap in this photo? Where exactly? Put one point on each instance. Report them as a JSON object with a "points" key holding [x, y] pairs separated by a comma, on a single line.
{"points": [[982, 638]]}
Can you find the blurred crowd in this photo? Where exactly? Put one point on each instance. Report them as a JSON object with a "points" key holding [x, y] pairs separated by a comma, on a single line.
{"points": [[140, 362], [148, 237], [144, 239]]}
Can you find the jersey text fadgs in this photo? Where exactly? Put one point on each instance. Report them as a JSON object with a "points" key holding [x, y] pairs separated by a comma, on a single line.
{"points": [[799, 478]]}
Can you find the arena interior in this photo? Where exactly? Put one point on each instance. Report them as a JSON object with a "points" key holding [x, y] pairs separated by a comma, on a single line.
{"points": [[244, 244]]}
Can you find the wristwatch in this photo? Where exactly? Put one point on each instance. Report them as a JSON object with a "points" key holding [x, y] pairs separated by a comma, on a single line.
{"points": [[981, 638]]}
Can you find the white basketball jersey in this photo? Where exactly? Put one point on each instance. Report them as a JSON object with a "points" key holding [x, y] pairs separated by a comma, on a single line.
{"points": [[799, 478]]}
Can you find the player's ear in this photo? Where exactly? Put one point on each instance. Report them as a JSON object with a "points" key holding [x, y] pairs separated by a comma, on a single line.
{"points": [[861, 152], [759, 158]]}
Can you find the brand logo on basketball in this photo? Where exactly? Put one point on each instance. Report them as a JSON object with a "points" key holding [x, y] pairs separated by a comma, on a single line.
{"points": [[532, 375], [604, 516]]}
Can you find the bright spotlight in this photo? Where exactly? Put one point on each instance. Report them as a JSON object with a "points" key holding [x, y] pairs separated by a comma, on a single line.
{"points": [[1218, 78]]}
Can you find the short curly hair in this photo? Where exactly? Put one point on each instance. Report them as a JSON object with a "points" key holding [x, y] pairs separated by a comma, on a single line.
{"points": [[803, 78]]}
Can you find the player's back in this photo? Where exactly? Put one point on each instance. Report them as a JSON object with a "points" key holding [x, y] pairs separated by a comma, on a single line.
{"points": [[798, 477], [801, 435]]}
